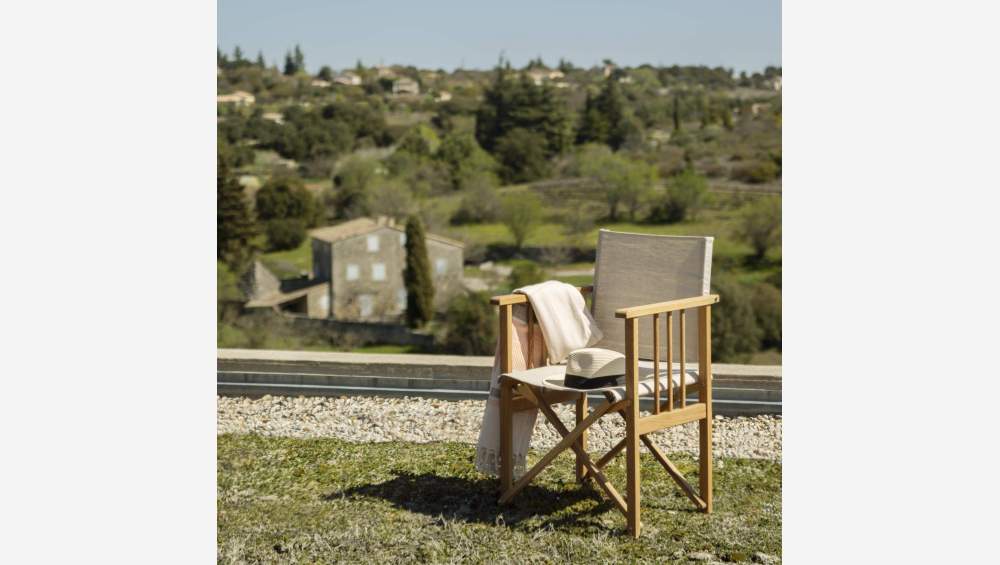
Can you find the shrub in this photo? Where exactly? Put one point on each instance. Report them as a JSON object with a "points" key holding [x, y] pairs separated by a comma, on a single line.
{"points": [[755, 172], [767, 309], [686, 194], [525, 273], [470, 325], [735, 334], [285, 233]]}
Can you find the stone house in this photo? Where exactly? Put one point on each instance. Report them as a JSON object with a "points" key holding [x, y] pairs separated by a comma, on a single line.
{"points": [[405, 85], [357, 273], [348, 78]]}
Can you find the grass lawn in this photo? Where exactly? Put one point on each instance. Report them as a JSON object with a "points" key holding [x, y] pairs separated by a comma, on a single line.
{"points": [[324, 500], [287, 264]]}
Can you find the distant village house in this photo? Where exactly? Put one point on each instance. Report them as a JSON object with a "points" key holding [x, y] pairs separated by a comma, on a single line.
{"points": [[405, 86], [238, 98], [348, 79], [357, 274]]}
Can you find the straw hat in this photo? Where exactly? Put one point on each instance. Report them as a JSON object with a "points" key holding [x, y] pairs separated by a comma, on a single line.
{"points": [[593, 367]]}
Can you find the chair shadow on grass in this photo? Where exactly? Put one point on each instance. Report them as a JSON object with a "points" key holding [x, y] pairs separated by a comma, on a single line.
{"points": [[475, 500]]}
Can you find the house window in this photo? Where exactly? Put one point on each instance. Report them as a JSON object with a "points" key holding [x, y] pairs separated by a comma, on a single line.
{"points": [[402, 239], [378, 271], [353, 272], [401, 300], [366, 303], [440, 266], [373, 243]]}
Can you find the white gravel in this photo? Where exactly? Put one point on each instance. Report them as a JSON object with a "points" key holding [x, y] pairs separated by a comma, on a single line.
{"points": [[421, 420]]}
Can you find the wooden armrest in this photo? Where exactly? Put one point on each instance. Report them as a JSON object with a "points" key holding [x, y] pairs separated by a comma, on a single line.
{"points": [[669, 306], [505, 299]]}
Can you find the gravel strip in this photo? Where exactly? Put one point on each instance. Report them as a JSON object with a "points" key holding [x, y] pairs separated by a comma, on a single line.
{"points": [[420, 420]]}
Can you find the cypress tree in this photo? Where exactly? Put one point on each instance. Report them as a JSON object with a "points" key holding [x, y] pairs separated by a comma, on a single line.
{"points": [[417, 276], [677, 114], [260, 60], [235, 225]]}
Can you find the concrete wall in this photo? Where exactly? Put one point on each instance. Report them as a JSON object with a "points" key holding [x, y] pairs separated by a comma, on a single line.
{"points": [[736, 389]]}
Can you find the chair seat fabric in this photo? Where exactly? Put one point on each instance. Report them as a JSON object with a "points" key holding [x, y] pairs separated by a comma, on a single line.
{"points": [[551, 377]]}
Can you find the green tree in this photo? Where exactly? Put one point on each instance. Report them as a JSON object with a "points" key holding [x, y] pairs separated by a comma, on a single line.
{"points": [[622, 182], [238, 59], [351, 198], [325, 73], [480, 202], [760, 225], [510, 104], [522, 155], [612, 107], [300, 59], [260, 60], [735, 334], [521, 213], [228, 295], [420, 141], [290, 68], [464, 159], [417, 276], [677, 113], [470, 326], [287, 209], [766, 302], [235, 225], [593, 124], [687, 191], [391, 197]]}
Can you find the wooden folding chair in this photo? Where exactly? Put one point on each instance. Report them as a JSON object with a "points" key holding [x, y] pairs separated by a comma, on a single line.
{"points": [[643, 282]]}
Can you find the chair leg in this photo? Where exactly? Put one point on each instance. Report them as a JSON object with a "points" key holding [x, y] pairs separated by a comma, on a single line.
{"points": [[705, 460], [581, 413], [632, 470], [506, 435]]}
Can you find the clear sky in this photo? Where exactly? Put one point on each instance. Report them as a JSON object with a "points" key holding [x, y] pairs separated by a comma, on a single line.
{"points": [[738, 34]]}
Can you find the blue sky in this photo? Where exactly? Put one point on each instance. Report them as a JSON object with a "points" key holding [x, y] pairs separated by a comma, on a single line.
{"points": [[738, 34]]}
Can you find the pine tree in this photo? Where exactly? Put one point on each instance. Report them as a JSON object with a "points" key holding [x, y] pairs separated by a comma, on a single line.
{"points": [[300, 60], [612, 106], [289, 65], [235, 224], [417, 276], [238, 56], [260, 60], [593, 125]]}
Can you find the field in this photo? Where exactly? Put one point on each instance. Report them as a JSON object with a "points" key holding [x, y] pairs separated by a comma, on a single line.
{"points": [[718, 220], [326, 500]]}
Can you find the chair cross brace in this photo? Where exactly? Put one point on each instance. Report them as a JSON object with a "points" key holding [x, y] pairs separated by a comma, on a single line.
{"points": [[570, 440]]}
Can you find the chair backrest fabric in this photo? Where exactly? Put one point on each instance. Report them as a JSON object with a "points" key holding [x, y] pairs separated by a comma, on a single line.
{"points": [[635, 269]]}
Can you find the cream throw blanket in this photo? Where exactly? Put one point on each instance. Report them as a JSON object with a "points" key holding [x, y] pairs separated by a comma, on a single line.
{"points": [[566, 325]]}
